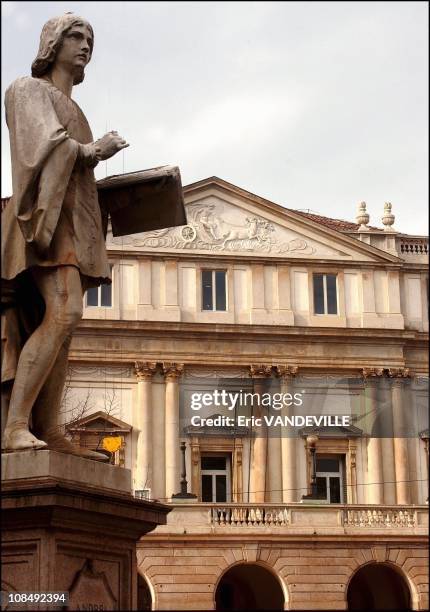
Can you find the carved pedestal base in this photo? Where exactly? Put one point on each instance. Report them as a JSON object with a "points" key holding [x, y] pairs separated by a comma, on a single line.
{"points": [[63, 533]]}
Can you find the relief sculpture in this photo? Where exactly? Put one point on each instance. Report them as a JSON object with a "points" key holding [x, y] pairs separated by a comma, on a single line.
{"points": [[210, 227]]}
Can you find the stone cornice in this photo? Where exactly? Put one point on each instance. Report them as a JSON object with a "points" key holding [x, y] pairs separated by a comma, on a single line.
{"points": [[337, 538], [112, 327], [345, 351], [146, 253]]}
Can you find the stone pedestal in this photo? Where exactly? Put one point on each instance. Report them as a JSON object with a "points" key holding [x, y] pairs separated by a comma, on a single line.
{"points": [[71, 524]]}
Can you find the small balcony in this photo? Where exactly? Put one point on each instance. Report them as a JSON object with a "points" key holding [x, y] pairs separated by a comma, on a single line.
{"points": [[294, 519]]}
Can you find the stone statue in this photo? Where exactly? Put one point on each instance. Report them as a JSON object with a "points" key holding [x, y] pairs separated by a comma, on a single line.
{"points": [[53, 243]]}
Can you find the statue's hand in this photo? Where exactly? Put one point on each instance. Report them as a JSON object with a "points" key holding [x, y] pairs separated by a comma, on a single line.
{"points": [[109, 144]]}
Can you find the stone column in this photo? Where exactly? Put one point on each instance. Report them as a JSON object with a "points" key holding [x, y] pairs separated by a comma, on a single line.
{"points": [[259, 455], [172, 372], [143, 471], [385, 426], [274, 462], [401, 459], [375, 477], [290, 493]]}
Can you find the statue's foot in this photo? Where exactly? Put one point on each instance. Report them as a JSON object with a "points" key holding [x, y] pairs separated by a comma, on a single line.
{"points": [[57, 442], [19, 438], [86, 453]]}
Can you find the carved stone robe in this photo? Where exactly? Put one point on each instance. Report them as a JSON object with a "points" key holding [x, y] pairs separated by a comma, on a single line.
{"points": [[53, 217]]}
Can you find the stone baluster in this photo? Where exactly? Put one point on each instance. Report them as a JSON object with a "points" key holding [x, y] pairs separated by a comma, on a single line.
{"points": [[172, 372]]}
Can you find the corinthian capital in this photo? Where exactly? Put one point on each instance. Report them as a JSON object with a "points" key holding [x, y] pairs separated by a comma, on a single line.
{"points": [[287, 371], [145, 369], [372, 372], [260, 370], [172, 371]]}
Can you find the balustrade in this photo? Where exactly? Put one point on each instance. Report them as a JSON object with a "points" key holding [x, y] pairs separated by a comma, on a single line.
{"points": [[250, 515], [386, 517], [266, 515], [414, 247]]}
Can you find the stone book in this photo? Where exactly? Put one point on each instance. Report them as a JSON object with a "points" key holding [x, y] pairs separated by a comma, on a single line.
{"points": [[142, 201]]}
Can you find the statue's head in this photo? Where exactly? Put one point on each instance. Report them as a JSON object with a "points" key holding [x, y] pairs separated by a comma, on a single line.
{"points": [[53, 35]]}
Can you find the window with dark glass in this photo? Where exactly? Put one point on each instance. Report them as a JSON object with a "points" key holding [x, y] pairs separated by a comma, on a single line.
{"points": [[325, 293], [214, 290], [215, 478], [100, 296], [330, 479]]}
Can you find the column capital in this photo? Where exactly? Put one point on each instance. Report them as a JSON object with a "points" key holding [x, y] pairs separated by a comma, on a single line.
{"points": [[372, 373], [287, 371], [398, 373], [260, 370], [172, 371], [145, 369]]}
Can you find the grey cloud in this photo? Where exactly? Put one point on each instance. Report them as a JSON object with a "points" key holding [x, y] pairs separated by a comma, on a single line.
{"points": [[313, 105]]}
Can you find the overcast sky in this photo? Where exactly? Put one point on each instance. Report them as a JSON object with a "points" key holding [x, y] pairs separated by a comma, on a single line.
{"points": [[313, 105]]}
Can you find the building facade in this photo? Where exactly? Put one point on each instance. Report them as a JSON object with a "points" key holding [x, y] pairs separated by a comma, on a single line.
{"points": [[250, 294]]}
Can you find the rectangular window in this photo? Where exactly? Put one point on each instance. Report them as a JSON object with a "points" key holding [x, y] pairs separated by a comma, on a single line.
{"points": [[325, 293], [100, 296], [330, 476], [215, 478], [214, 290]]}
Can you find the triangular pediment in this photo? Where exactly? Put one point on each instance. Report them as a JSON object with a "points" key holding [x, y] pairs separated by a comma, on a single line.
{"points": [[99, 421], [333, 431], [225, 219]]}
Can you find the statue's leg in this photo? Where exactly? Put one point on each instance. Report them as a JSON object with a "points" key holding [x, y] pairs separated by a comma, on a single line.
{"points": [[47, 406], [46, 410], [62, 293]]}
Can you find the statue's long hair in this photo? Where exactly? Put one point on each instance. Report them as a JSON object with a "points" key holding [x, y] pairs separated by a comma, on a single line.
{"points": [[51, 39]]}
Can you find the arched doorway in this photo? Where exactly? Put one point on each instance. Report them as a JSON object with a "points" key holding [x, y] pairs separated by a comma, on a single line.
{"points": [[249, 586], [377, 586], [144, 599]]}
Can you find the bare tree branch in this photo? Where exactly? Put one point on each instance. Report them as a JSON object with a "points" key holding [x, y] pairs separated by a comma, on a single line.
{"points": [[73, 409]]}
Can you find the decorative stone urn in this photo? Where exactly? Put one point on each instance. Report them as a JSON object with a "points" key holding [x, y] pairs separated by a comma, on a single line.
{"points": [[388, 218], [362, 217]]}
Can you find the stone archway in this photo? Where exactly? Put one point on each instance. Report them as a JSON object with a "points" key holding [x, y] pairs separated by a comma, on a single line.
{"points": [[249, 586], [144, 597], [378, 586]]}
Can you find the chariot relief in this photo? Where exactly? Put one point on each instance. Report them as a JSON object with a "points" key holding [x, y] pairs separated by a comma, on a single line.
{"points": [[216, 227]]}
